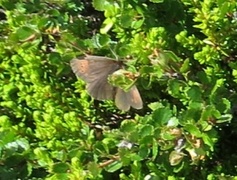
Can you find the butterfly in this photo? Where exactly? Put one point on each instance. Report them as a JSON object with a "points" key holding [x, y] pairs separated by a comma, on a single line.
{"points": [[94, 70]]}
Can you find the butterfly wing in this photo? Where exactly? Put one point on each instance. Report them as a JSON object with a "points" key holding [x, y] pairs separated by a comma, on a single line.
{"points": [[101, 89], [135, 98], [124, 100], [94, 70], [121, 100]]}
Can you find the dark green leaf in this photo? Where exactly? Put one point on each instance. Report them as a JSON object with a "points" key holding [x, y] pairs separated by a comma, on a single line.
{"points": [[60, 167], [126, 20], [146, 131], [143, 151], [162, 115]]}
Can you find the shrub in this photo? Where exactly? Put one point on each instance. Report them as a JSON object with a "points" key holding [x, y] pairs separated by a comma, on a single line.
{"points": [[184, 53]]}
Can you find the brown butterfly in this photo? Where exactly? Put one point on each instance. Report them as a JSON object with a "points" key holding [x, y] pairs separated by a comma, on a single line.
{"points": [[94, 70]]}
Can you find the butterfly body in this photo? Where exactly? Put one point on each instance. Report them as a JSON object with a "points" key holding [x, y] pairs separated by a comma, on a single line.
{"points": [[94, 70]]}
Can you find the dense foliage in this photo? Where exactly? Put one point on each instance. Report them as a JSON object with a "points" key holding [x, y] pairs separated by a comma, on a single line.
{"points": [[184, 52]]}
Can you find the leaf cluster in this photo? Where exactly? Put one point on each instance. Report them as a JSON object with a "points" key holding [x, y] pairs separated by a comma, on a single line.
{"points": [[183, 53]]}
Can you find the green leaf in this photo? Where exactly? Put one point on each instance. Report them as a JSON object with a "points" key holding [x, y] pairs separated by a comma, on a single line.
{"points": [[4, 123], [55, 58], [25, 33], [155, 105], [19, 146], [224, 118], [108, 143], [166, 135], [210, 112], [171, 178], [42, 155], [224, 9], [107, 25], [208, 140], [104, 40], [224, 105], [54, 12], [192, 129], [205, 125], [13, 160], [219, 83], [128, 126], [94, 169], [99, 4], [154, 149], [173, 122], [147, 140], [114, 166], [143, 151], [135, 157], [60, 176], [112, 10], [176, 88], [194, 93], [136, 169], [195, 105], [137, 24], [185, 66], [146, 130], [157, 1], [171, 56], [162, 115], [60, 167], [147, 70], [126, 20]]}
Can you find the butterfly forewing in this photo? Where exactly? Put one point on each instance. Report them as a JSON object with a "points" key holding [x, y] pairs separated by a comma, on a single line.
{"points": [[94, 70], [101, 90], [80, 68]]}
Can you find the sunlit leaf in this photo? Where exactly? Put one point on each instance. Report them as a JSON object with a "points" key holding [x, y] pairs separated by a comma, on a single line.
{"points": [[114, 166]]}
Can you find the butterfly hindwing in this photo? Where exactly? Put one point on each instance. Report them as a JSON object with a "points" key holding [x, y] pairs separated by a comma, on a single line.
{"points": [[121, 100], [135, 98], [124, 100]]}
